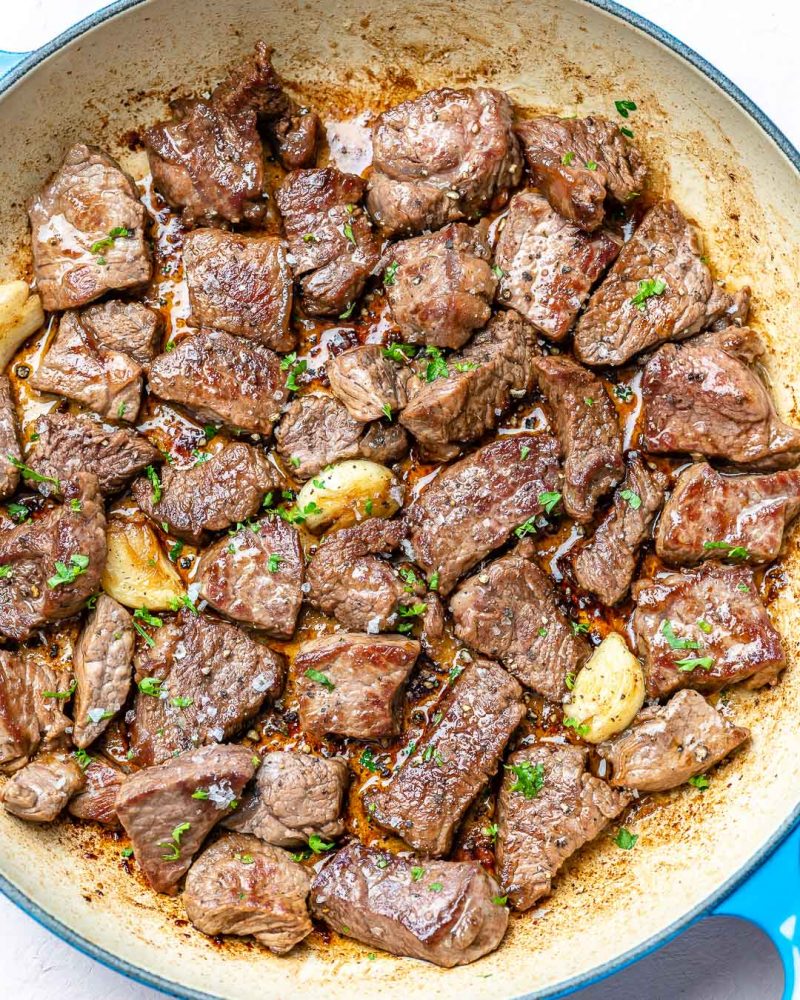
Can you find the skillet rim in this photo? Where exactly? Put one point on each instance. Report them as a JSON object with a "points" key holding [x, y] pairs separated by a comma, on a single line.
{"points": [[707, 906]]}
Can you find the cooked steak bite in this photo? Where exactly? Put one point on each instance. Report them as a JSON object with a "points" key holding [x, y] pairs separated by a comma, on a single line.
{"points": [[659, 289], [588, 430], [549, 806], [668, 744], [19, 721], [704, 628], [711, 516], [223, 379], [481, 383], [243, 886], [87, 231], [295, 796], [548, 264], [69, 443], [442, 286], [255, 576], [53, 562], [704, 397], [128, 327], [240, 284], [578, 162], [333, 249], [39, 792], [353, 684], [508, 611], [606, 564], [228, 488], [80, 366], [473, 506], [102, 665], [199, 682], [9, 440], [350, 582], [164, 818], [452, 760], [368, 382], [383, 443], [97, 799], [447, 155], [380, 900], [736, 311]]}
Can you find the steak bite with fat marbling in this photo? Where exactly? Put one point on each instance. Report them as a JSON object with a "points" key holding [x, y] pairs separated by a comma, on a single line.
{"points": [[549, 806], [40, 791], [667, 744], [548, 264], [704, 628], [9, 441], [445, 912], [454, 758], [368, 382]]}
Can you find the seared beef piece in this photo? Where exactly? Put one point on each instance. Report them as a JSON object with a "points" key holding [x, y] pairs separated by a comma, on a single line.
{"points": [[69, 443], [332, 246], [228, 488], [295, 796], [9, 440], [41, 790], [737, 640], [383, 443], [442, 286], [447, 155], [255, 576], [578, 162], [668, 744], [128, 327], [243, 886], [508, 611], [102, 664], [378, 899], [55, 561], [19, 723], [539, 832], [588, 430], [353, 684], [350, 582], [453, 759], [366, 381], [703, 397], [223, 379], [240, 284], [549, 265], [736, 311], [708, 516], [79, 366], [87, 231], [97, 800], [432, 631], [606, 564], [473, 506], [164, 820], [221, 672], [493, 370], [627, 314]]}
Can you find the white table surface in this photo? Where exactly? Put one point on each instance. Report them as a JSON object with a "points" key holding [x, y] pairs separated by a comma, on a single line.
{"points": [[755, 44]]}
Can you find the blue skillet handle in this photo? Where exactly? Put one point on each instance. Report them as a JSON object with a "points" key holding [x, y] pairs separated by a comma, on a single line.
{"points": [[8, 60], [770, 898]]}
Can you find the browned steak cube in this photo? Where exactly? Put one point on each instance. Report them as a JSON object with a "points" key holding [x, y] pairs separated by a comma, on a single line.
{"points": [[705, 397], [353, 684], [97, 801], [441, 286], [509, 611], [39, 792], [445, 912], [549, 806], [295, 796], [199, 682], [240, 284], [668, 744], [548, 264], [9, 440], [31, 696], [452, 761], [87, 231], [166, 821], [447, 155], [368, 382], [474, 506], [128, 327], [704, 628]]}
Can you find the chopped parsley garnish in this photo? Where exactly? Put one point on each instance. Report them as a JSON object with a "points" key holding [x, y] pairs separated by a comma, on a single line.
{"points": [[318, 845], [648, 287], [309, 238], [347, 229], [524, 452], [348, 311], [628, 133], [699, 781], [100, 246], [704, 626], [382, 863], [499, 900], [75, 505], [549, 500], [181, 701], [274, 562], [175, 550], [437, 366], [591, 165], [731, 551], [743, 588], [83, 759], [68, 573], [368, 506], [455, 672], [412, 610], [588, 400], [386, 410], [466, 366], [429, 754], [200, 793], [367, 760], [416, 874], [390, 274], [6, 571], [569, 680], [567, 158], [155, 482], [210, 431], [634, 501], [623, 107], [674, 642], [542, 631], [151, 686], [121, 410], [400, 352], [491, 831], [497, 271], [303, 855], [433, 582], [320, 678], [579, 628], [19, 512], [246, 859], [31, 475], [579, 727], [436, 887], [295, 368], [625, 839], [62, 695], [409, 577], [526, 528], [175, 603], [690, 663], [623, 392], [126, 852], [174, 846], [530, 778]]}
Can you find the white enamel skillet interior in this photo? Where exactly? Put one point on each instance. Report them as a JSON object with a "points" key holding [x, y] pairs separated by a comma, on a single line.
{"points": [[729, 170]]}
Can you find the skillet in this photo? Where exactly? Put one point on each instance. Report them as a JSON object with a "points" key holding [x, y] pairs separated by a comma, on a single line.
{"points": [[735, 175]]}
